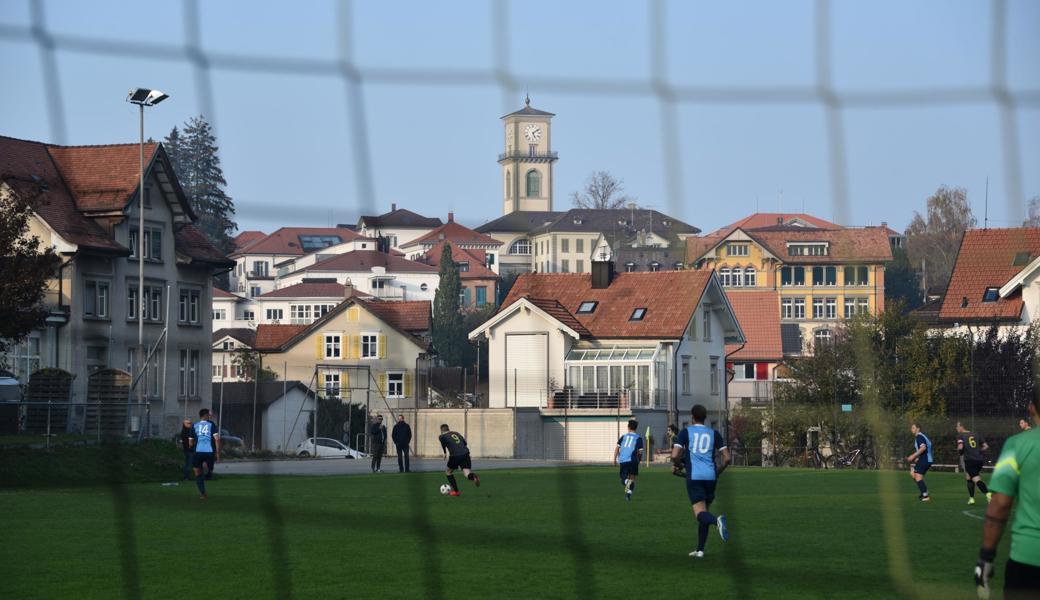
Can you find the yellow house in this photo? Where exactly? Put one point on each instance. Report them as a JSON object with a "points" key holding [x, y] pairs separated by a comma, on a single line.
{"points": [[822, 275], [362, 351]]}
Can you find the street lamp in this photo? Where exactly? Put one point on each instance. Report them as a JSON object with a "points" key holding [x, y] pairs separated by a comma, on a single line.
{"points": [[141, 97]]}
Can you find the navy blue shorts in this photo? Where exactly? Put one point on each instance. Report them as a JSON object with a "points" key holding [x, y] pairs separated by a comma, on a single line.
{"points": [[921, 467], [203, 458], [700, 490], [973, 467], [629, 468], [460, 462]]}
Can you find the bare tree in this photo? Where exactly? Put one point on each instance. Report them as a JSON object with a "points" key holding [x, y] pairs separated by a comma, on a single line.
{"points": [[934, 240], [602, 190], [1033, 213]]}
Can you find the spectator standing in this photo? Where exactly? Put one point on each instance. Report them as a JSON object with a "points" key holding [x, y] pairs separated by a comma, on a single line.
{"points": [[377, 439], [402, 436], [185, 442]]}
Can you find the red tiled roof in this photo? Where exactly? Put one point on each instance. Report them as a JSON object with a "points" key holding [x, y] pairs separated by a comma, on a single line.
{"points": [[364, 260], [759, 220], [102, 178], [219, 293], [670, 297], [477, 259], [986, 260], [195, 245], [272, 337], [286, 240], [313, 289], [561, 314], [758, 313], [245, 238], [455, 234], [863, 245], [412, 316]]}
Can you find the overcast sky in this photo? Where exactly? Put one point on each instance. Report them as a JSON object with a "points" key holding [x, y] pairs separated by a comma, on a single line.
{"points": [[300, 147]]}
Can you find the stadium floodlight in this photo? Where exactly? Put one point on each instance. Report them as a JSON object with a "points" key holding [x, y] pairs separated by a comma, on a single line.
{"points": [[146, 97]]}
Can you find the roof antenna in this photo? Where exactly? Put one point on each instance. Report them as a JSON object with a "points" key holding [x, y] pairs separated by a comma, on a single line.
{"points": [[985, 218], [527, 96]]}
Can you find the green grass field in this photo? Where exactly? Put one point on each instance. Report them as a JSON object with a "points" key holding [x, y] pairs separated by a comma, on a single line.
{"points": [[533, 533]]}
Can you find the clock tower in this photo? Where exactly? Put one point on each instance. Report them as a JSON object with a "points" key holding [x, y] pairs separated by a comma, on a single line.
{"points": [[527, 163]]}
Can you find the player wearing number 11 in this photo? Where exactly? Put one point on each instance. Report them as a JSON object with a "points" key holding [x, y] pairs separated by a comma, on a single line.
{"points": [[696, 447]]}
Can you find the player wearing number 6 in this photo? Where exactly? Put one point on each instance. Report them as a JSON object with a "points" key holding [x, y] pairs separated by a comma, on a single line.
{"points": [[629, 450], [971, 446], [695, 447]]}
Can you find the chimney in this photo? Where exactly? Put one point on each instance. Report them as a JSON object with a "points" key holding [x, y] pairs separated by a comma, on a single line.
{"points": [[393, 206], [348, 288], [779, 220], [451, 217], [602, 274]]}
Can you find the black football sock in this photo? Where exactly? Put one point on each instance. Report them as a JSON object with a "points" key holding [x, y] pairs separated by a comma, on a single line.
{"points": [[632, 486], [471, 476], [982, 486], [971, 488], [200, 482], [921, 486], [454, 484], [702, 536], [706, 518]]}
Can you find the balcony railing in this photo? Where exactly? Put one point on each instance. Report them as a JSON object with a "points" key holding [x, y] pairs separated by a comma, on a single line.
{"points": [[259, 275], [571, 399], [521, 155], [388, 294]]}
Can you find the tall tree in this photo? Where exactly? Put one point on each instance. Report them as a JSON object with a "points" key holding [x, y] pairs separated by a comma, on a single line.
{"points": [[449, 336], [194, 154], [26, 266], [934, 239], [1033, 213], [602, 190], [901, 280]]}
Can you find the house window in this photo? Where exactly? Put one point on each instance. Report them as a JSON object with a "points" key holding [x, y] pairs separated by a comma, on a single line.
{"points": [[248, 315], [188, 307], [274, 314], [188, 369], [131, 304], [332, 385], [863, 306], [706, 324], [254, 291], [565, 245], [738, 277], [637, 314], [152, 243], [825, 276], [831, 308], [154, 294], [579, 266], [423, 287], [333, 345], [521, 246], [655, 266], [228, 345], [369, 345], [799, 308], [481, 295], [395, 385], [154, 383], [786, 308], [463, 266], [792, 276], [991, 294], [95, 298], [219, 314], [23, 358], [260, 268], [320, 310], [714, 376], [822, 337], [736, 249], [587, 307], [630, 267], [686, 375], [817, 308], [579, 245], [725, 277], [856, 276], [807, 249], [743, 371], [300, 314], [750, 277], [534, 183]]}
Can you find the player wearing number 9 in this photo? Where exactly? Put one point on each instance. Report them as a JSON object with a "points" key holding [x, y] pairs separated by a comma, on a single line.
{"points": [[695, 448]]}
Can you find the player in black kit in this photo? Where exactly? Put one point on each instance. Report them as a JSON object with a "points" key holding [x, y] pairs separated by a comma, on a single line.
{"points": [[971, 446], [454, 445]]}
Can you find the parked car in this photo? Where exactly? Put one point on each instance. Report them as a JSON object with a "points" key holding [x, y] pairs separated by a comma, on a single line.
{"points": [[327, 448]]}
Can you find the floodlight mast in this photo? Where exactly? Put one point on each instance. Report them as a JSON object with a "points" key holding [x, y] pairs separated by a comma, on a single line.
{"points": [[142, 97]]}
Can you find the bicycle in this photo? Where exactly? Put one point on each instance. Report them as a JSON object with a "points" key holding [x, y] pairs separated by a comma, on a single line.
{"points": [[861, 458], [816, 458]]}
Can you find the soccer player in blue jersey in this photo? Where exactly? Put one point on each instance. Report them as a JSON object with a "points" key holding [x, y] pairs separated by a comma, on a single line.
{"points": [[628, 452], [920, 460], [695, 448], [205, 440]]}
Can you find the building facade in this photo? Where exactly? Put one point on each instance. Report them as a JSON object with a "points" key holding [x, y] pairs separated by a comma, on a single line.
{"points": [[528, 160]]}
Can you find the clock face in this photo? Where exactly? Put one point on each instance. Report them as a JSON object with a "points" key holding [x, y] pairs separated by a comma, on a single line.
{"points": [[533, 133]]}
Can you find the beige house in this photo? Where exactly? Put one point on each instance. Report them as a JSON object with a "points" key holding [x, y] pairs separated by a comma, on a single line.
{"points": [[362, 351]]}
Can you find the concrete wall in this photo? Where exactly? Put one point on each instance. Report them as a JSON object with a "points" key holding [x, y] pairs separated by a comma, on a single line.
{"points": [[488, 431]]}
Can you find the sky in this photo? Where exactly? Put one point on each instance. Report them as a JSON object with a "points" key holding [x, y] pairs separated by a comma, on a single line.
{"points": [[737, 125]]}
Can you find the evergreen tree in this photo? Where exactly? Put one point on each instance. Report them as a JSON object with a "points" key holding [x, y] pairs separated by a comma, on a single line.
{"points": [[449, 336], [193, 153]]}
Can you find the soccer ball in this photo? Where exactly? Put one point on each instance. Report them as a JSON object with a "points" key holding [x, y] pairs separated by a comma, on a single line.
{"points": [[445, 488]]}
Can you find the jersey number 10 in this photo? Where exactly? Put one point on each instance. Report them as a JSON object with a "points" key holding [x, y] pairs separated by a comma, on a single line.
{"points": [[700, 443]]}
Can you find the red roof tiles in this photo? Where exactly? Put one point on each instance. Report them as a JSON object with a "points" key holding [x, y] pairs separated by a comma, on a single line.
{"points": [[861, 245], [669, 297], [455, 234], [986, 259], [758, 313], [475, 259], [313, 289], [758, 220], [195, 245], [287, 240], [364, 260], [245, 238], [102, 178], [411, 316], [272, 337]]}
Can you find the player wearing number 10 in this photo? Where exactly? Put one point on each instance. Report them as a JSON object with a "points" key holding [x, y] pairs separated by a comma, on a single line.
{"points": [[696, 447]]}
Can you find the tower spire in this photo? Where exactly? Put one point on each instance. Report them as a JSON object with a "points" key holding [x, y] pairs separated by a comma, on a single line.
{"points": [[527, 98]]}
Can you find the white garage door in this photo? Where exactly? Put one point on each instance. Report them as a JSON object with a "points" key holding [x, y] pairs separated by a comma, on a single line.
{"points": [[526, 369]]}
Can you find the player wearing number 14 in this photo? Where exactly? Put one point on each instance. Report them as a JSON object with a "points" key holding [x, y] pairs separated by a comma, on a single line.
{"points": [[695, 447]]}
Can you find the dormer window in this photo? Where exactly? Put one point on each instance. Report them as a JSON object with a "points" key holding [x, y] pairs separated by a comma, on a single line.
{"points": [[737, 249], [808, 249], [1021, 259], [964, 302], [577, 220], [991, 294], [587, 307], [463, 267], [638, 314]]}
